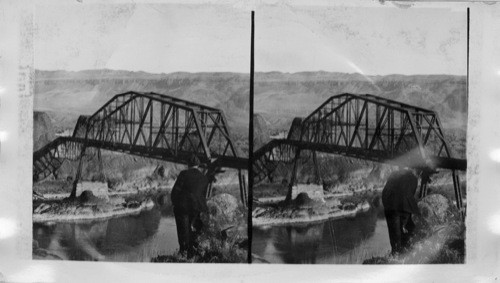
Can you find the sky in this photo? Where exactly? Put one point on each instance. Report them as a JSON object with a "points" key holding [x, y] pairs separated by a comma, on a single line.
{"points": [[165, 38]]}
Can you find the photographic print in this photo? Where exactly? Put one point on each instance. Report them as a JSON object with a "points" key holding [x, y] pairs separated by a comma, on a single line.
{"points": [[360, 128], [140, 132]]}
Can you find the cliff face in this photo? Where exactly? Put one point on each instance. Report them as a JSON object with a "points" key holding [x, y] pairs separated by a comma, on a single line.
{"points": [[43, 130], [280, 97], [70, 94], [260, 131]]}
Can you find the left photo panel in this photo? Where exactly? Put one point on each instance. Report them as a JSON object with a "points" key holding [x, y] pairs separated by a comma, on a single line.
{"points": [[140, 133]]}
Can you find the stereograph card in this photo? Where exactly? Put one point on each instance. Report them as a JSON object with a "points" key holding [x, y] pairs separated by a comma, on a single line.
{"points": [[291, 140]]}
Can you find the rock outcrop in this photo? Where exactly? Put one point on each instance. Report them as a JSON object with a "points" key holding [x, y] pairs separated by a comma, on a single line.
{"points": [[436, 210], [226, 217], [223, 209], [260, 131], [43, 130]]}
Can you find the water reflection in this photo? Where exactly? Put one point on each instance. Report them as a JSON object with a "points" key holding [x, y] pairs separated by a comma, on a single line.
{"points": [[324, 242], [98, 240], [299, 244]]}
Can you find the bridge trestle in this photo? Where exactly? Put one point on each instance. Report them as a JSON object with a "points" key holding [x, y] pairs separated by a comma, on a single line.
{"points": [[365, 127], [150, 125]]}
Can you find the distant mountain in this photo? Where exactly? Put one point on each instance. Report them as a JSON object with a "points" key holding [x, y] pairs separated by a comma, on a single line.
{"points": [[279, 97], [65, 95]]}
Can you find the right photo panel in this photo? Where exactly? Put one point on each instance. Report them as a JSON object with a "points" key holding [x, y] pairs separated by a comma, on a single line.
{"points": [[360, 123]]}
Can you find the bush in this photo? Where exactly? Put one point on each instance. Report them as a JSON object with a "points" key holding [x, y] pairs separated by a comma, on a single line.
{"points": [[213, 247]]}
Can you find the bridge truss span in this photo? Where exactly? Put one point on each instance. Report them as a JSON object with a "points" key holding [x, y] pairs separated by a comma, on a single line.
{"points": [[377, 129], [159, 123], [366, 127], [150, 125]]}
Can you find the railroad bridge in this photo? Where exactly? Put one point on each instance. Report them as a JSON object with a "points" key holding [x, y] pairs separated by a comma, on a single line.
{"points": [[150, 125], [366, 127]]}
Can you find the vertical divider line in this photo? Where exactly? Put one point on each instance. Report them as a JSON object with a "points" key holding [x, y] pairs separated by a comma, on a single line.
{"points": [[468, 42], [250, 141]]}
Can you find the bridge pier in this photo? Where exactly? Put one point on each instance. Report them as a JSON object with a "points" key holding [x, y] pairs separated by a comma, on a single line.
{"points": [[293, 178], [78, 173]]}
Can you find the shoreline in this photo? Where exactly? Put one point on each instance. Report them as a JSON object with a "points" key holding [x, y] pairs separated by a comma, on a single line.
{"points": [[271, 200], [262, 222], [60, 196], [45, 218]]}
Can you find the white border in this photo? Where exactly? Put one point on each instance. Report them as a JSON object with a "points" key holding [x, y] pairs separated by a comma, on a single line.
{"points": [[483, 236]]}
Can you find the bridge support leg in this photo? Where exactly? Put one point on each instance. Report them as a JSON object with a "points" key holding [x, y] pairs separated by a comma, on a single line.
{"points": [[243, 191], [78, 174], [423, 188], [317, 175], [101, 166], [458, 192], [209, 190], [293, 178]]}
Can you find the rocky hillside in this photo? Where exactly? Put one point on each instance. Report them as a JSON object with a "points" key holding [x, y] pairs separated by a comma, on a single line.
{"points": [[261, 131], [43, 130], [281, 96]]}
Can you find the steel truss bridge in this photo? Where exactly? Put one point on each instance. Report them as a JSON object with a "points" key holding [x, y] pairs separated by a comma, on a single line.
{"points": [[150, 125], [366, 127]]}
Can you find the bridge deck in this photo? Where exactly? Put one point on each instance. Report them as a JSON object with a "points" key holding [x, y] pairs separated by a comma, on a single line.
{"points": [[372, 155], [145, 151]]}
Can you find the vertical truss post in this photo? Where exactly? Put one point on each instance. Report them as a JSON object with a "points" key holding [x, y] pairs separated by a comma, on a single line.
{"points": [[210, 173], [101, 166], [317, 174], [78, 173], [423, 188], [458, 192], [209, 190], [243, 193]]}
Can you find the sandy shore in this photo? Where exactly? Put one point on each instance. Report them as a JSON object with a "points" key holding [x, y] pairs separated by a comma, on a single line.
{"points": [[270, 200], [265, 221], [51, 217]]}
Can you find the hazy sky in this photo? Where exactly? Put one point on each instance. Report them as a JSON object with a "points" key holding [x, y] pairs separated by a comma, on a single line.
{"points": [[208, 38]]}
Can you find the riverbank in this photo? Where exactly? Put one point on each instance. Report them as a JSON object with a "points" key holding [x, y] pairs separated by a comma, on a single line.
{"points": [[304, 209], [306, 216], [74, 211], [439, 237], [329, 195]]}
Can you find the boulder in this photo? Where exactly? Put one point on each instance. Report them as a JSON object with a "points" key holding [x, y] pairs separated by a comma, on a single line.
{"points": [[132, 204], [159, 171], [258, 212], [223, 210], [436, 210], [87, 196], [303, 199], [42, 208], [348, 206], [314, 191], [98, 189]]}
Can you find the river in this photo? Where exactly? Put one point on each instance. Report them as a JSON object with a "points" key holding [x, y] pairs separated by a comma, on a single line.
{"points": [[129, 238], [348, 240]]}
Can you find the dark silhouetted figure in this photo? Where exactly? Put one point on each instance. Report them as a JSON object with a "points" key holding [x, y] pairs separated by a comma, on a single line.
{"points": [[189, 200], [398, 198]]}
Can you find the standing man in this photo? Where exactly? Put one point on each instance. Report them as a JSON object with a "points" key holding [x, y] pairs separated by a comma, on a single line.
{"points": [[398, 198], [189, 200]]}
